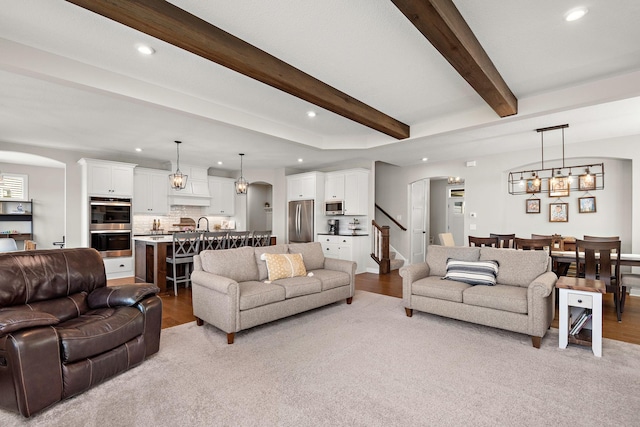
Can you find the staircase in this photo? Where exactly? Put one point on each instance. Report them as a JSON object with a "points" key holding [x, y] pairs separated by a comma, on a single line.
{"points": [[382, 255], [394, 263]]}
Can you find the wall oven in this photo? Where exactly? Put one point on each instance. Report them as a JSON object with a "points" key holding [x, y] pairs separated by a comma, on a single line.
{"points": [[110, 226]]}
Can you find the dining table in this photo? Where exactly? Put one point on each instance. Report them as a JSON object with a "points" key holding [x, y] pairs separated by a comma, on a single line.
{"points": [[563, 259]]}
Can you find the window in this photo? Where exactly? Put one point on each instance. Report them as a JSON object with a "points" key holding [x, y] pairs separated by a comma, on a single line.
{"points": [[13, 186]]}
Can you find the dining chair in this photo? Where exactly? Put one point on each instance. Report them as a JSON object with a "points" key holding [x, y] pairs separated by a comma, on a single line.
{"points": [[29, 245], [446, 239], [628, 281], [539, 244], [8, 244], [213, 240], [260, 238], [598, 254], [236, 239], [185, 247], [483, 241], [504, 240], [600, 239], [557, 241]]}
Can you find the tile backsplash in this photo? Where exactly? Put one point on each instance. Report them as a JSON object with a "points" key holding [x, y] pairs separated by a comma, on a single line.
{"points": [[143, 223]]}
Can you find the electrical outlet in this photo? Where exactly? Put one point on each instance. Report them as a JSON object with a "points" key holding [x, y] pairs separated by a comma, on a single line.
{"points": [[472, 226], [398, 217]]}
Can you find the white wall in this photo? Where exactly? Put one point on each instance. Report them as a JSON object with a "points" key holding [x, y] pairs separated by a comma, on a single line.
{"points": [[437, 213], [257, 196], [618, 205], [46, 188]]}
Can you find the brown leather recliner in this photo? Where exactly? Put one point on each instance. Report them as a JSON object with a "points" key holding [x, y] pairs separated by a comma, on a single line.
{"points": [[62, 330]]}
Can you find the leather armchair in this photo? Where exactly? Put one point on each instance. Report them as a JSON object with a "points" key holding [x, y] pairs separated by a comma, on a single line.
{"points": [[62, 330]]}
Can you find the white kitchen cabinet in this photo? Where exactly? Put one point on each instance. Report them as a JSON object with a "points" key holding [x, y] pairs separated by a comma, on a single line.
{"points": [[105, 178], [351, 186], [350, 248], [196, 192], [150, 191], [119, 267], [302, 186], [222, 191]]}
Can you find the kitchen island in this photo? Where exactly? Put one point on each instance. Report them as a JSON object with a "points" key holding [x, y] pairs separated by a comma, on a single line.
{"points": [[151, 254]]}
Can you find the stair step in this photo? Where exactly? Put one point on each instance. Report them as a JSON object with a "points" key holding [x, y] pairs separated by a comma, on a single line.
{"points": [[396, 263], [392, 255]]}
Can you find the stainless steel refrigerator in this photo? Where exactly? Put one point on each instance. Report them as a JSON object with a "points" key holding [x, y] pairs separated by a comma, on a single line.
{"points": [[301, 221]]}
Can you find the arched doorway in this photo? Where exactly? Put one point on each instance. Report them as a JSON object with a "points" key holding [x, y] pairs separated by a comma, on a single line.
{"points": [[259, 203]]}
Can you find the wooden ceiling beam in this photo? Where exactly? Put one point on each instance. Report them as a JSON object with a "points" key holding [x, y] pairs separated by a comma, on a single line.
{"points": [[443, 25], [163, 20]]}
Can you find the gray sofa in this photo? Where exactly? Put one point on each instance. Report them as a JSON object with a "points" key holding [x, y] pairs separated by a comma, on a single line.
{"points": [[521, 301], [232, 293]]}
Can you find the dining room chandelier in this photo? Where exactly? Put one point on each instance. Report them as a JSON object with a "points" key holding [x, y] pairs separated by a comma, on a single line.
{"points": [[556, 181], [178, 180], [241, 184]]}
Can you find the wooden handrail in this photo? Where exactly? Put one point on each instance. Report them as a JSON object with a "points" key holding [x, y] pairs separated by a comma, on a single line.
{"points": [[402, 227]]}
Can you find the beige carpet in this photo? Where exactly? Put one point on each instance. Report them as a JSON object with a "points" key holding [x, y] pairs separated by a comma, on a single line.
{"points": [[362, 365]]}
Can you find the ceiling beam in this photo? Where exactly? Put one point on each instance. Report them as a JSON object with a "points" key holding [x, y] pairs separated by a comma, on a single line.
{"points": [[163, 20], [443, 25]]}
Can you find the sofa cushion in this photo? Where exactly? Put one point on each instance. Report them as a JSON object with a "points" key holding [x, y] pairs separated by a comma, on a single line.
{"points": [[255, 294], [299, 286], [262, 264], [98, 331], [331, 278], [311, 254], [64, 308], [282, 266], [236, 264], [472, 272], [499, 297], [517, 267], [437, 257], [435, 287]]}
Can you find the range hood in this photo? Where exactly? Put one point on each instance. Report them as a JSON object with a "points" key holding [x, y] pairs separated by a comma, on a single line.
{"points": [[189, 200], [196, 192]]}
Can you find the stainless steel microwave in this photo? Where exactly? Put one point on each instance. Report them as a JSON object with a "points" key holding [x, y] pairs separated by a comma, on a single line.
{"points": [[334, 207]]}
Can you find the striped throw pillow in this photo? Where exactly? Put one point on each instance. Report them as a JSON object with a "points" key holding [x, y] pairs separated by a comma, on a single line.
{"points": [[472, 272]]}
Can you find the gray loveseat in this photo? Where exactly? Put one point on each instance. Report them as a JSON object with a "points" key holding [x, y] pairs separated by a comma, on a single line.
{"points": [[521, 301], [232, 293]]}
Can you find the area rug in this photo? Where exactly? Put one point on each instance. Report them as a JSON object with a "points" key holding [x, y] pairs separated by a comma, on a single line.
{"points": [[364, 364]]}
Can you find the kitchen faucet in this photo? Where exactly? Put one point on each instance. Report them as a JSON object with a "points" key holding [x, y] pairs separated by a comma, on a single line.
{"points": [[206, 219]]}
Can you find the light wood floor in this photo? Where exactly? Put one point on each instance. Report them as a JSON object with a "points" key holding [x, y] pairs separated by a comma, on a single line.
{"points": [[177, 309]]}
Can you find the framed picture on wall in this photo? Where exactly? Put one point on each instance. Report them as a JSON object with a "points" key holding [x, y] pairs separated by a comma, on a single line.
{"points": [[586, 182], [559, 186], [533, 206], [587, 204], [558, 212], [533, 185]]}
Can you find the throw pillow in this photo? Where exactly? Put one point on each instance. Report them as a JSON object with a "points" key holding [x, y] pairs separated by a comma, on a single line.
{"points": [[472, 272], [282, 266]]}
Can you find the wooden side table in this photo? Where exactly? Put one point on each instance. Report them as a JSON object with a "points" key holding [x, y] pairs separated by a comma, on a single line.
{"points": [[587, 294]]}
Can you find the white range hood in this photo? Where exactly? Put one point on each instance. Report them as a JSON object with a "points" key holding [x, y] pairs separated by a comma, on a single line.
{"points": [[196, 193]]}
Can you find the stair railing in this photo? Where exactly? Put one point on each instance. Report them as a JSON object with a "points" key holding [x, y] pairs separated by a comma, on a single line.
{"points": [[380, 250], [400, 226]]}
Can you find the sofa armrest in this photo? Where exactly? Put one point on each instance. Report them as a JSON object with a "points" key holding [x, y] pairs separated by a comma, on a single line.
{"points": [[543, 285], [348, 267], [12, 320], [214, 282], [413, 272], [541, 303], [120, 296]]}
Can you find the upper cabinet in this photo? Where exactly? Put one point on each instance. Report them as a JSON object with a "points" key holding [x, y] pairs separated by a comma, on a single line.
{"points": [[223, 193], [105, 178], [150, 191], [196, 192], [350, 186], [303, 186]]}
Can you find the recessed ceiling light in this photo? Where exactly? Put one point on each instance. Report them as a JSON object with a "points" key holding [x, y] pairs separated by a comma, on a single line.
{"points": [[146, 50], [424, 159], [219, 163], [575, 14], [300, 160], [138, 149], [311, 113]]}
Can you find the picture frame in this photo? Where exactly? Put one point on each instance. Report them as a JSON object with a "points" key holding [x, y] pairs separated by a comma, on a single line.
{"points": [[585, 184], [587, 204], [558, 212], [559, 186], [533, 206], [532, 186]]}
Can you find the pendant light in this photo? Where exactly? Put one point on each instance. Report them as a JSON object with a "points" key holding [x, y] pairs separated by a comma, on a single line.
{"points": [[241, 184], [177, 179]]}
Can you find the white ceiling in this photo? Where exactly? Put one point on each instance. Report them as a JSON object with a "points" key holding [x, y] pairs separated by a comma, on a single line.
{"points": [[70, 78]]}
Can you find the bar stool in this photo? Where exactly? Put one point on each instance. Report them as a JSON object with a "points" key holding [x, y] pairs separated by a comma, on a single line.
{"points": [[213, 240], [236, 239], [185, 247], [260, 238]]}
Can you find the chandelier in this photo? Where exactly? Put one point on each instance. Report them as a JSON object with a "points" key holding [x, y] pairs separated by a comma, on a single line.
{"points": [[241, 184], [556, 181], [177, 179]]}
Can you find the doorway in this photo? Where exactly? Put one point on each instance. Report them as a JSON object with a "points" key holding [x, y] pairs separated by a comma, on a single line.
{"points": [[455, 213], [418, 221], [259, 202]]}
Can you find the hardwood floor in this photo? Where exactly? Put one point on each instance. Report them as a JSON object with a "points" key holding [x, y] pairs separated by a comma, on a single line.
{"points": [[177, 310]]}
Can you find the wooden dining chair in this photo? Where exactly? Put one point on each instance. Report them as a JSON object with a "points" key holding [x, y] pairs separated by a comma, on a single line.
{"points": [[598, 254], [504, 240], [540, 244], [557, 242], [446, 239], [483, 241]]}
